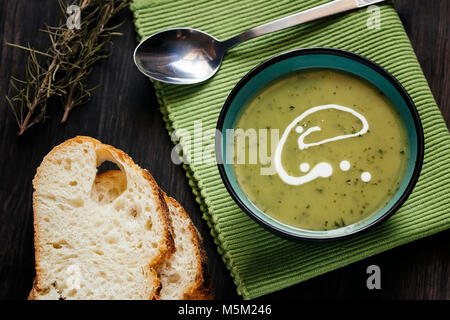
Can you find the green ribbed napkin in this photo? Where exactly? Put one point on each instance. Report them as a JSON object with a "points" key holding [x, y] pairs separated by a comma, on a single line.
{"points": [[259, 261]]}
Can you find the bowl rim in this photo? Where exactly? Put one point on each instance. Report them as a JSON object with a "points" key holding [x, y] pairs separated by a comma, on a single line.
{"points": [[346, 54]]}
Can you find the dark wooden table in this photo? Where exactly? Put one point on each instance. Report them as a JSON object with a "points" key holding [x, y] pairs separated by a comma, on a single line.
{"points": [[124, 113]]}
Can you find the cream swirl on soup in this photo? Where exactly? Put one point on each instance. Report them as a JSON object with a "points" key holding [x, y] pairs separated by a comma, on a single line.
{"points": [[322, 169]]}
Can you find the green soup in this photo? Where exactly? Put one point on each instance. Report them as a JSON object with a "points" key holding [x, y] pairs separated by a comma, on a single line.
{"points": [[319, 149]]}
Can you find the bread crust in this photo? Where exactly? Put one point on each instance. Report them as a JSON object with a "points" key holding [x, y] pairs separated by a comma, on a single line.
{"points": [[165, 249], [201, 289], [33, 292]]}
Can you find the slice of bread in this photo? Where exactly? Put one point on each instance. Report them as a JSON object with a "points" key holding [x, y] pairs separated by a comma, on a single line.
{"points": [[183, 275], [93, 240]]}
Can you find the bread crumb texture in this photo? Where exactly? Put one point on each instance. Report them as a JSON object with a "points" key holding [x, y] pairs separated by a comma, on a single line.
{"points": [[94, 240]]}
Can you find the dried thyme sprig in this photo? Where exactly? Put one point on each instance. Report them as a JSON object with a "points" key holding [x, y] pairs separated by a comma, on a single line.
{"points": [[62, 70]]}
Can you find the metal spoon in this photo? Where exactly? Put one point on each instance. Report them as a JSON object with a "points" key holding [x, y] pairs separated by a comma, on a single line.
{"points": [[187, 56]]}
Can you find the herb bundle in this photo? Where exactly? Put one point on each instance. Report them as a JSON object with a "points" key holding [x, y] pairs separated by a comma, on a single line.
{"points": [[63, 68]]}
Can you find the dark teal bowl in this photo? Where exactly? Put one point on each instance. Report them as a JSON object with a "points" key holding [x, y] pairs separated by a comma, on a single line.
{"points": [[325, 58]]}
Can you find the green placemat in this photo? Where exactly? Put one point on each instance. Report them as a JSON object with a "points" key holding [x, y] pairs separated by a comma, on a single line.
{"points": [[259, 261]]}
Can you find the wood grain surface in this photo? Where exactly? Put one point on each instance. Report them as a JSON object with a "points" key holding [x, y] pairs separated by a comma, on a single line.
{"points": [[124, 113]]}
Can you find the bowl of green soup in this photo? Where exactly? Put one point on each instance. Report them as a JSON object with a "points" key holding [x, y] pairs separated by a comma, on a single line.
{"points": [[319, 143]]}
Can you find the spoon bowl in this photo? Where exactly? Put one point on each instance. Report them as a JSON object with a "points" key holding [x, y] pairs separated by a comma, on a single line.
{"points": [[179, 56]]}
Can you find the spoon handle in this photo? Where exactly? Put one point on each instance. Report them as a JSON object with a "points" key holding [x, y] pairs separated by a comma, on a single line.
{"points": [[324, 10]]}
